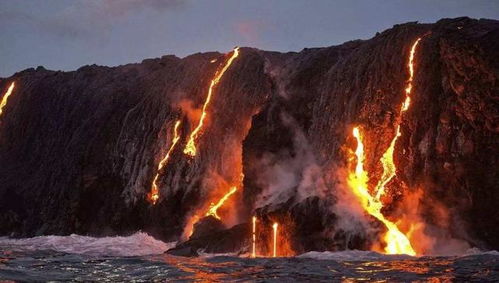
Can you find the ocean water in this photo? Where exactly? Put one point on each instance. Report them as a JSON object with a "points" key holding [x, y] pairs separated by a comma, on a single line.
{"points": [[141, 258]]}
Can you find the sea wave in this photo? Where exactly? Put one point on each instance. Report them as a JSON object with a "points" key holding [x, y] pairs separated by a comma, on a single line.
{"points": [[356, 255], [211, 255], [353, 255], [476, 251], [138, 244]]}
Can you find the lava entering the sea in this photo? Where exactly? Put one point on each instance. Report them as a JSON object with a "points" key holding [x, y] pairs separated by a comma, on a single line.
{"points": [[153, 196], [6, 97], [253, 238], [396, 241], [274, 250], [190, 148]]}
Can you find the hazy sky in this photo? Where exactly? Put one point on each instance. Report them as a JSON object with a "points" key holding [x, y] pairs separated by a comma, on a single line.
{"points": [[66, 34]]}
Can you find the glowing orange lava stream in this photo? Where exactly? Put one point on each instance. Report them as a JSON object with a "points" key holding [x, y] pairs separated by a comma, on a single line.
{"points": [[212, 211], [153, 196], [190, 148], [274, 227], [214, 207], [6, 97], [253, 234], [389, 168], [396, 241]]}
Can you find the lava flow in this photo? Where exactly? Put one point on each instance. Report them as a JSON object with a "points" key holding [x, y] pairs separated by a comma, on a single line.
{"points": [[253, 234], [396, 241], [389, 168], [153, 196], [214, 207], [274, 227], [6, 97], [212, 211], [190, 148]]}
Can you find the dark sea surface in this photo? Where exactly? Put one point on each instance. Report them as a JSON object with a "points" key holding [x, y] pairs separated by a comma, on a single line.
{"points": [[140, 258]]}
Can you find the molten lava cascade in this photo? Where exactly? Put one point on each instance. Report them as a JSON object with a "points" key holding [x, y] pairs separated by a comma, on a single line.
{"points": [[153, 196], [214, 207], [212, 211], [396, 242], [253, 236], [6, 97], [190, 148], [274, 228], [389, 168]]}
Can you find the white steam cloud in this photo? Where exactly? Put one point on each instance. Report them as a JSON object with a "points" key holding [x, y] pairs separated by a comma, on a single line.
{"points": [[287, 175]]}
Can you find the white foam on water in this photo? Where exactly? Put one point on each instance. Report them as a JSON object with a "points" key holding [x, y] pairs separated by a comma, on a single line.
{"points": [[353, 255], [210, 255], [356, 255], [477, 251], [138, 244]]}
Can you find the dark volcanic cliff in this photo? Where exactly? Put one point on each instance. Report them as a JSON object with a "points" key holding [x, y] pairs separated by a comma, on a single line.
{"points": [[79, 150]]}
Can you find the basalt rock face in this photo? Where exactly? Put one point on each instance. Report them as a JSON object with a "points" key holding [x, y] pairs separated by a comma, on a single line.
{"points": [[79, 150]]}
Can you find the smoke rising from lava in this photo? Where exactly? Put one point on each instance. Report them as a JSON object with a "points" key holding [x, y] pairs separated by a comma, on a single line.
{"points": [[290, 173], [430, 237]]}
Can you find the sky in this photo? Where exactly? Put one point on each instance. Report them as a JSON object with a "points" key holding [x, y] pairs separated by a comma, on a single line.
{"points": [[67, 34]]}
